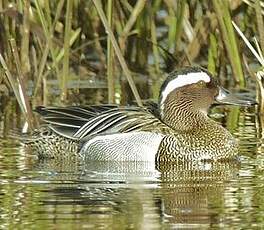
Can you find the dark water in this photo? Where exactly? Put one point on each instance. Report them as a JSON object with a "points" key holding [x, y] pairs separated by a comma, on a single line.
{"points": [[92, 195]]}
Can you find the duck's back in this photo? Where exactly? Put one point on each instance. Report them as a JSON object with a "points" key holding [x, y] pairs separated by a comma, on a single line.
{"points": [[104, 132], [82, 123]]}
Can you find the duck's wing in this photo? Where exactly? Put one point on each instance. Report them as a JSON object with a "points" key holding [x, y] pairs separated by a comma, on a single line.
{"points": [[76, 112], [67, 120], [82, 122]]}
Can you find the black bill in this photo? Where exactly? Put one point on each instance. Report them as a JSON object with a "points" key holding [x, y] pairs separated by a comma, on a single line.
{"points": [[225, 97]]}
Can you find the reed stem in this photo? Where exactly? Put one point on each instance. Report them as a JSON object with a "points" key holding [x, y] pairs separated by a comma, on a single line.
{"points": [[24, 54], [260, 24], [110, 57], [225, 22], [121, 59], [140, 4], [66, 47]]}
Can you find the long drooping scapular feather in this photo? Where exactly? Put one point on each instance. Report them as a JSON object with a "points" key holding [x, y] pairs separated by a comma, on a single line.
{"points": [[82, 122]]}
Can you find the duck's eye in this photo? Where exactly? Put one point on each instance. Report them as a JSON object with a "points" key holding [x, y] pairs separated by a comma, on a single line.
{"points": [[201, 83]]}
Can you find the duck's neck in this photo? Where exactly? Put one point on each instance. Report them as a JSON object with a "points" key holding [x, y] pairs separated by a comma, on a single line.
{"points": [[183, 117]]}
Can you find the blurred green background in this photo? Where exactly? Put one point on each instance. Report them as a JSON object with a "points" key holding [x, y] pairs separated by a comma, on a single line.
{"points": [[59, 53]]}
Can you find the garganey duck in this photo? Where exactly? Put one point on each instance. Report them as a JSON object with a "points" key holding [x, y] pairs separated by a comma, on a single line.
{"points": [[177, 128]]}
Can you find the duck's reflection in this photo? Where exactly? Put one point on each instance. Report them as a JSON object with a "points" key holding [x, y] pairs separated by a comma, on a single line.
{"points": [[193, 194], [143, 194]]}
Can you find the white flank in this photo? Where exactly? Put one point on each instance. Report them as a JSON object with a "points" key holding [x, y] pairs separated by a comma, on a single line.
{"points": [[134, 146], [182, 80]]}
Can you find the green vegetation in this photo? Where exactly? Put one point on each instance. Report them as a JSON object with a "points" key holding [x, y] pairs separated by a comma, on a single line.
{"points": [[52, 51]]}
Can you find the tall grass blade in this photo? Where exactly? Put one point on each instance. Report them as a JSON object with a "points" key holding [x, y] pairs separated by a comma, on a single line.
{"points": [[260, 76], [48, 32], [258, 48], [21, 86], [74, 35], [225, 22], [25, 30], [260, 24], [154, 45], [41, 69], [212, 54], [121, 59], [179, 24], [252, 49], [260, 73], [132, 19], [48, 48], [18, 91], [66, 47], [110, 57]]}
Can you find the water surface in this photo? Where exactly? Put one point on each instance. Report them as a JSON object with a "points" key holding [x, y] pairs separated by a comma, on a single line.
{"points": [[95, 195]]}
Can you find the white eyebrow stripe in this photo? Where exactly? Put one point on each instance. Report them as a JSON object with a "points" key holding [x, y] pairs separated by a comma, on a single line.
{"points": [[182, 80]]}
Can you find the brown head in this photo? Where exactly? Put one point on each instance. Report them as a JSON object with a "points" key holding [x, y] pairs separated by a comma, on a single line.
{"points": [[186, 96]]}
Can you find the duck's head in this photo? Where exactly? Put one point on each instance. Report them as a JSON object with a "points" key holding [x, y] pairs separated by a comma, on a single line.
{"points": [[189, 92]]}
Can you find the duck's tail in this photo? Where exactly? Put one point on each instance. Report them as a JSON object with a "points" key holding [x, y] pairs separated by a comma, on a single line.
{"points": [[45, 143]]}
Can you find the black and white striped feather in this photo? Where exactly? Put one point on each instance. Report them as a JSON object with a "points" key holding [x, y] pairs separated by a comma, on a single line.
{"points": [[84, 122]]}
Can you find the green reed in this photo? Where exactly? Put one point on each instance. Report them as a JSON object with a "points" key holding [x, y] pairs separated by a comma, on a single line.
{"points": [[67, 41], [110, 56]]}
